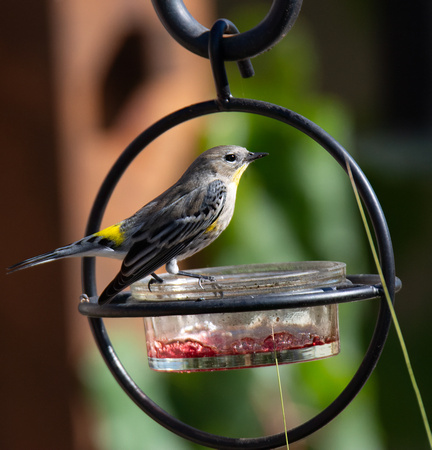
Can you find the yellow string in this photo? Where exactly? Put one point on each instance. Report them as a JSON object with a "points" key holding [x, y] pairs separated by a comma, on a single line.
{"points": [[280, 390], [392, 311]]}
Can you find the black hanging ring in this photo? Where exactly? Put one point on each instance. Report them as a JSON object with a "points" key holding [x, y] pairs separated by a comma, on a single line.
{"points": [[195, 37], [384, 244]]}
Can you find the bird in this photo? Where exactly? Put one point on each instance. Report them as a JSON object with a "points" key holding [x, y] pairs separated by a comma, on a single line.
{"points": [[180, 222]]}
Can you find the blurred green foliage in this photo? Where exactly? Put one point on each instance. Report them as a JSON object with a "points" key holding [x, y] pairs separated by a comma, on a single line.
{"points": [[296, 204]]}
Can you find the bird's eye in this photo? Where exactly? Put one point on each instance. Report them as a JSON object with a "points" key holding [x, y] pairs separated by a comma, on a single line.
{"points": [[230, 157]]}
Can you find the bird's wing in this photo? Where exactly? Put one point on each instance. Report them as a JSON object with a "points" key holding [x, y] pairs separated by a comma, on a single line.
{"points": [[166, 238]]}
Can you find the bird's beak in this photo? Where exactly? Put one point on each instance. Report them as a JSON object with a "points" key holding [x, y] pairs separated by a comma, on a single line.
{"points": [[253, 156]]}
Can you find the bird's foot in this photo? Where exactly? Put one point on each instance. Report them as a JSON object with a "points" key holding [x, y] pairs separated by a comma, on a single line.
{"points": [[155, 279], [205, 278], [201, 278]]}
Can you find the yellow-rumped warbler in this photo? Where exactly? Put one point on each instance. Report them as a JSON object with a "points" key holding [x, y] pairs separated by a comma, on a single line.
{"points": [[180, 222]]}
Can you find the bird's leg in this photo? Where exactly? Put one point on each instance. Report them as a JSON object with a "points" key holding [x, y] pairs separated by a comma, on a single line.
{"points": [[172, 268], [196, 275], [155, 279]]}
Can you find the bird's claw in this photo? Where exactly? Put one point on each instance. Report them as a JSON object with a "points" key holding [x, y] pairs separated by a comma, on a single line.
{"points": [[155, 279], [151, 281], [205, 278]]}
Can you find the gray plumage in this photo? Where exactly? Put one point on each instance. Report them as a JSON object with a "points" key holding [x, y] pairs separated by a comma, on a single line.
{"points": [[175, 225]]}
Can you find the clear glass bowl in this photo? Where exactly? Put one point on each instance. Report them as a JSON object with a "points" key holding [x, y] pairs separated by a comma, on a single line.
{"points": [[223, 341]]}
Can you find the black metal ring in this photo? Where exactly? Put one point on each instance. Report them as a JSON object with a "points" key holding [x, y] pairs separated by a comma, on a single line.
{"points": [[193, 36], [364, 287], [383, 242]]}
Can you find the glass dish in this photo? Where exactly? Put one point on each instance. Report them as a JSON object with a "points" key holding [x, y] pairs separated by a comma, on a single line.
{"points": [[223, 341]]}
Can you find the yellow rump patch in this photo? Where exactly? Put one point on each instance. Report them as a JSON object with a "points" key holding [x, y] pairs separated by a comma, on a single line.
{"points": [[113, 233]]}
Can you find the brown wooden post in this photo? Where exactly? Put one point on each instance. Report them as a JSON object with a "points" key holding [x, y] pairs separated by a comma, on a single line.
{"points": [[78, 81]]}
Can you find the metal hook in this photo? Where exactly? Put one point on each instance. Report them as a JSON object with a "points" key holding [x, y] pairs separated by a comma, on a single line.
{"points": [[217, 60]]}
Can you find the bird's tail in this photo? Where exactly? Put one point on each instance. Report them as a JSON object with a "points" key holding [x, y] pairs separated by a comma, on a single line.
{"points": [[107, 242], [59, 253], [40, 259]]}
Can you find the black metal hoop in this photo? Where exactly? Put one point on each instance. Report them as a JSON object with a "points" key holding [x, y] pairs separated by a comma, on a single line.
{"points": [[362, 287], [194, 36], [383, 241]]}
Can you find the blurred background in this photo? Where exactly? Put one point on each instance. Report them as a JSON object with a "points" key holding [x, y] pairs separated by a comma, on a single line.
{"points": [[80, 79]]}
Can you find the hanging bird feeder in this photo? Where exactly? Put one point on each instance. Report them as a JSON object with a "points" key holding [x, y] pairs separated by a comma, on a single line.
{"points": [[249, 315]]}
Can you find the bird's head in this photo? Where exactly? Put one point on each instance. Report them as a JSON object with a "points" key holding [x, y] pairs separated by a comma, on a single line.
{"points": [[227, 162]]}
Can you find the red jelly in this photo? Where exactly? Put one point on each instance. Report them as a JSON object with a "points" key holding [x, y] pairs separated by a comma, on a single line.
{"points": [[190, 348]]}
